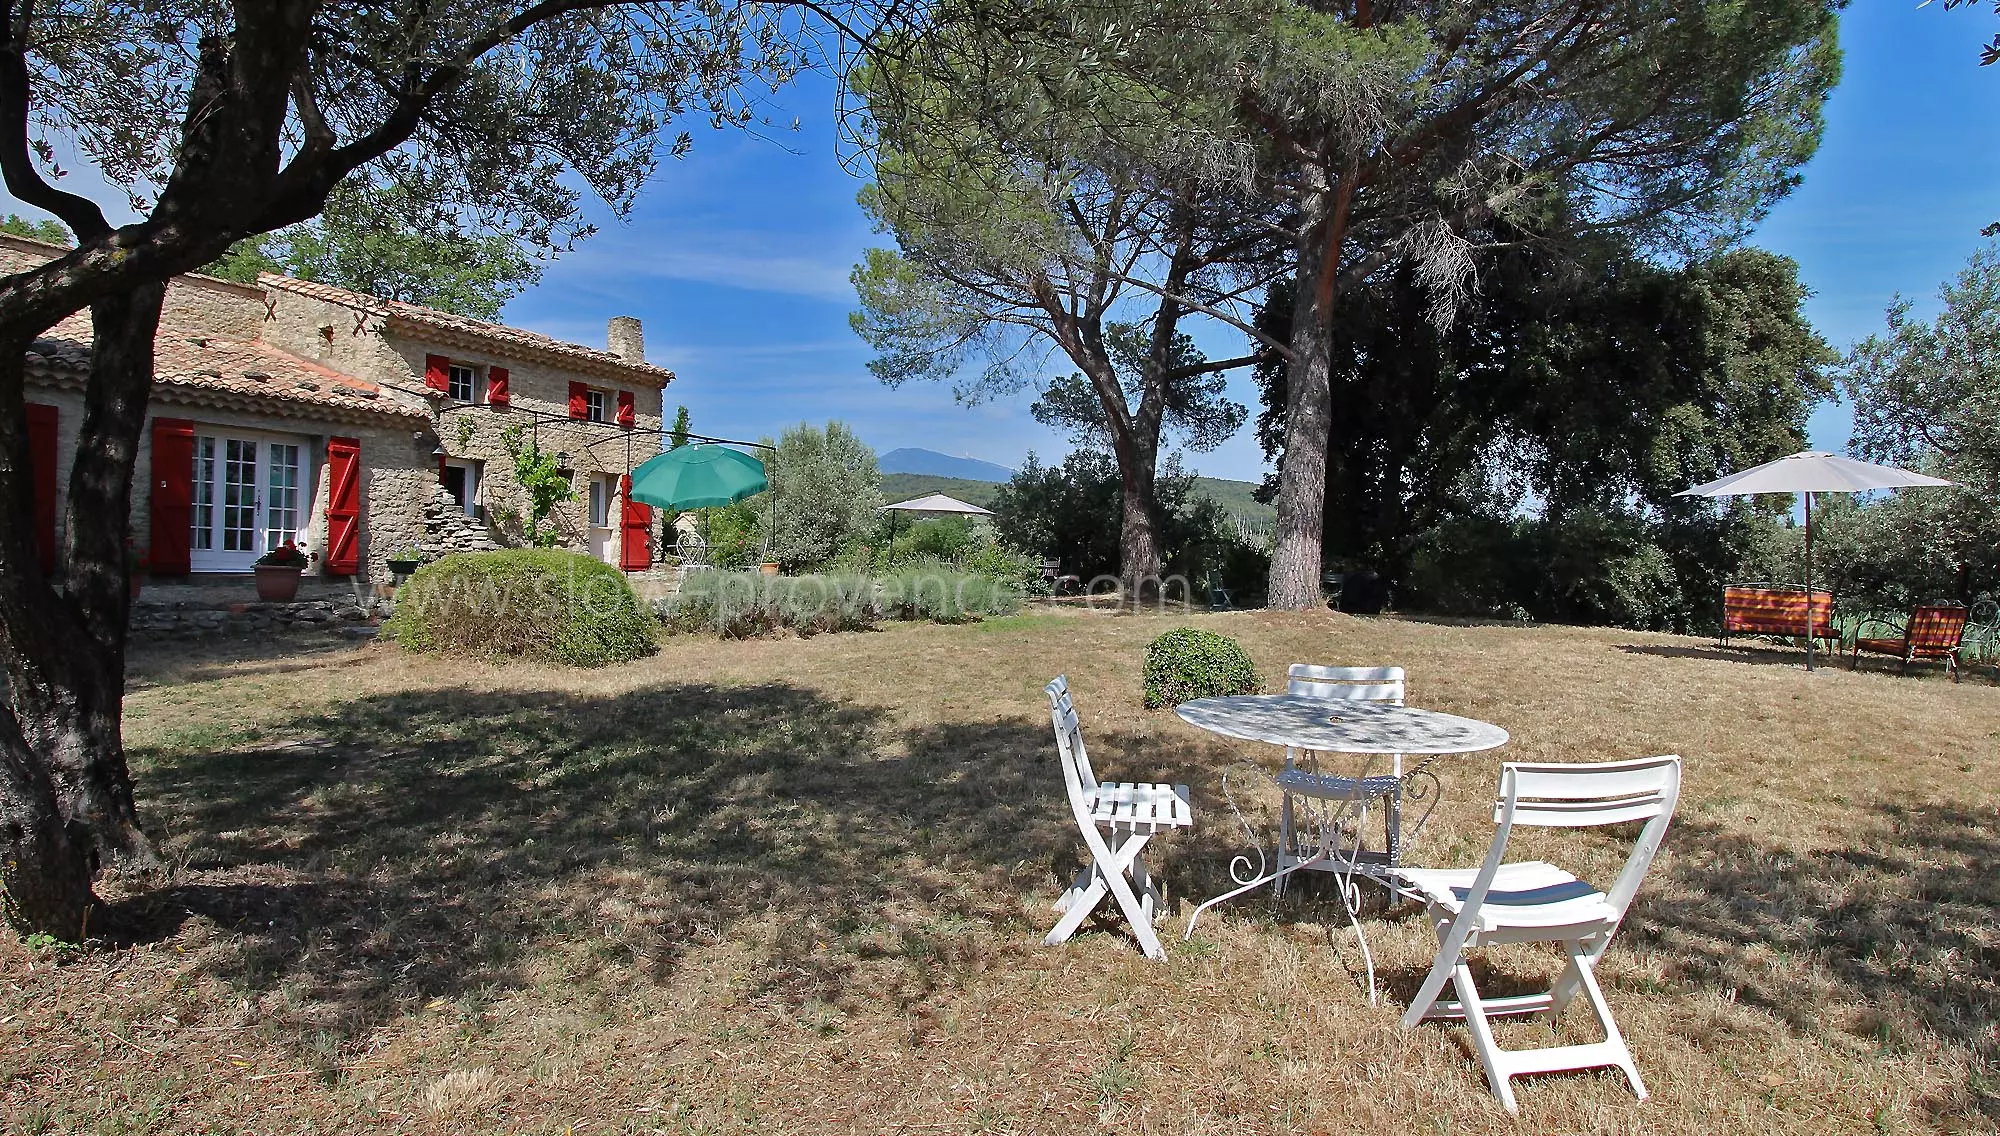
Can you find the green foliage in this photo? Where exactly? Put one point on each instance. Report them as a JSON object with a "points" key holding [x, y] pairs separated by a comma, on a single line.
{"points": [[1596, 566], [1074, 513], [1589, 388], [542, 480], [745, 605], [1197, 410], [1926, 395], [941, 538], [829, 495], [47, 230], [732, 532], [373, 239], [678, 436], [1188, 663], [543, 604]]}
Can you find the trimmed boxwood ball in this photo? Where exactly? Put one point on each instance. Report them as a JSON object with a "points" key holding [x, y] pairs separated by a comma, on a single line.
{"points": [[1187, 663], [533, 603]]}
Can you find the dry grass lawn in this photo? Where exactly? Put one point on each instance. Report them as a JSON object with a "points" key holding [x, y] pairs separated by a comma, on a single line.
{"points": [[799, 886]]}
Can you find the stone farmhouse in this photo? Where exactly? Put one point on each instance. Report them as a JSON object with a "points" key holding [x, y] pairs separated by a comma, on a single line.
{"points": [[353, 426]]}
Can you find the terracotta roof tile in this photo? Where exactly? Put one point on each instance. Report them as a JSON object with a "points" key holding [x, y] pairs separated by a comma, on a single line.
{"points": [[465, 327], [201, 360]]}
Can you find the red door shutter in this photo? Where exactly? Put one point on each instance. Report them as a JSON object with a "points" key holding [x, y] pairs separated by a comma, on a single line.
{"points": [[627, 416], [42, 439], [635, 552], [579, 406], [343, 507], [437, 373], [173, 496], [496, 387]]}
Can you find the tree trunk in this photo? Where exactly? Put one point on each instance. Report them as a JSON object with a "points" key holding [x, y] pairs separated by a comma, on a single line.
{"points": [[1138, 537], [66, 797], [1295, 556]]}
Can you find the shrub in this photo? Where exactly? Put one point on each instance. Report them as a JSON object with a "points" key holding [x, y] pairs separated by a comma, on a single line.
{"points": [[743, 605], [543, 604], [945, 593], [1186, 663], [942, 538]]}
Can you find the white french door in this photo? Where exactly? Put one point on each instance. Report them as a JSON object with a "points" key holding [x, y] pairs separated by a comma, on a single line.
{"points": [[250, 496]]}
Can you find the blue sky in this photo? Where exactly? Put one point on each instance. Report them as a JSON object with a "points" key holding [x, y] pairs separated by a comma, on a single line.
{"points": [[737, 255]]}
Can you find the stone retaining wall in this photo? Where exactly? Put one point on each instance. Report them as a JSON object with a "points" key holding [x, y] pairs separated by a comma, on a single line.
{"points": [[355, 617]]}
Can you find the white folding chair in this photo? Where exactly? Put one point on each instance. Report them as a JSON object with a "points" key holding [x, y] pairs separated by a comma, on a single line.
{"points": [[1131, 814], [1537, 902], [1362, 684]]}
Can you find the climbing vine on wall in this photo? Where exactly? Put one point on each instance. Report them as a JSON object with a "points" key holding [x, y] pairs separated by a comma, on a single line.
{"points": [[543, 482]]}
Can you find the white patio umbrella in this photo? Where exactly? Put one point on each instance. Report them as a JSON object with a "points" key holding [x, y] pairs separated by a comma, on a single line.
{"points": [[937, 504], [1809, 473]]}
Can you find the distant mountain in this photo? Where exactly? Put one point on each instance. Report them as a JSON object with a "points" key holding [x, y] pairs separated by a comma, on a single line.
{"points": [[911, 460]]}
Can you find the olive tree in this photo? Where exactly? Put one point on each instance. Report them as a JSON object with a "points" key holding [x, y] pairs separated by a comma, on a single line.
{"points": [[224, 120]]}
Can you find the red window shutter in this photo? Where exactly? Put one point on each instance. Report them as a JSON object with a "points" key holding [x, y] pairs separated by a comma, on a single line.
{"points": [[496, 387], [343, 507], [42, 439], [437, 373], [635, 550], [579, 407], [173, 496], [627, 415]]}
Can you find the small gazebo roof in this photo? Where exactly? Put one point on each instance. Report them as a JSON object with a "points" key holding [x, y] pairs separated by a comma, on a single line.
{"points": [[938, 503]]}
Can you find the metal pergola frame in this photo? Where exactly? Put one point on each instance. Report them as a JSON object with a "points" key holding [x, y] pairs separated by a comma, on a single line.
{"points": [[441, 406]]}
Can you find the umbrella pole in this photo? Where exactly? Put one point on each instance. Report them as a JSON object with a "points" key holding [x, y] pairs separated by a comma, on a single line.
{"points": [[1809, 595]]}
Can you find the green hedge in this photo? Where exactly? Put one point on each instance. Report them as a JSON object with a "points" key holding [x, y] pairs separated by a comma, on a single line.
{"points": [[534, 603], [1187, 663]]}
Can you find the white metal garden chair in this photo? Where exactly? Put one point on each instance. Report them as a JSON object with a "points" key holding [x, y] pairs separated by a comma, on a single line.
{"points": [[1130, 815], [1536, 902], [1363, 684]]}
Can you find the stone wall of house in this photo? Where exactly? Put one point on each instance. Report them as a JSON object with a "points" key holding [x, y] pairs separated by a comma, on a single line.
{"points": [[336, 336], [476, 432], [228, 309]]}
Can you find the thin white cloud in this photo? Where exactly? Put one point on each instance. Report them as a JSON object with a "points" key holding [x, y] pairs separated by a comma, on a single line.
{"points": [[752, 261]]}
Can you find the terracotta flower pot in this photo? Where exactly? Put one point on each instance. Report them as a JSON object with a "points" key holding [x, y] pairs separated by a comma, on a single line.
{"points": [[277, 583], [770, 568]]}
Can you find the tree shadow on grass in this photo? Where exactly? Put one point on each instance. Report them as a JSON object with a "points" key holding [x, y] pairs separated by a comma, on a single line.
{"points": [[1762, 654], [413, 846], [1893, 937]]}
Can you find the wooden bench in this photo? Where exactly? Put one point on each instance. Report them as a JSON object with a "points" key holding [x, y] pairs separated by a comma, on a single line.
{"points": [[1776, 609], [1931, 632]]}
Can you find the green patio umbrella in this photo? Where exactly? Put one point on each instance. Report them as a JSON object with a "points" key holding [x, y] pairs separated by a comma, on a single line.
{"points": [[698, 477]]}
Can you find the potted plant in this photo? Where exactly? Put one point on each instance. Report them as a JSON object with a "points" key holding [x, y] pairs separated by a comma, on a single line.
{"points": [[406, 561], [278, 573]]}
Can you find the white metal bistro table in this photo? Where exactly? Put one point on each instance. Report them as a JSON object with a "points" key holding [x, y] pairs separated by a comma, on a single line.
{"points": [[1347, 726]]}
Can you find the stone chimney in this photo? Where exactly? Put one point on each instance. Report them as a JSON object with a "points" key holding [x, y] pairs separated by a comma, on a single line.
{"points": [[628, 339]]}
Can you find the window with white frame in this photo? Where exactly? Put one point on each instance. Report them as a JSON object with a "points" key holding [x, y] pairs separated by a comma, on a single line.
{"points": [[600, 502], [593, 406], [462, 383]]}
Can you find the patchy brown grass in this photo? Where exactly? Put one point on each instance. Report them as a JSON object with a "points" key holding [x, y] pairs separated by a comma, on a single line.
{"points": [[799, 886]]}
